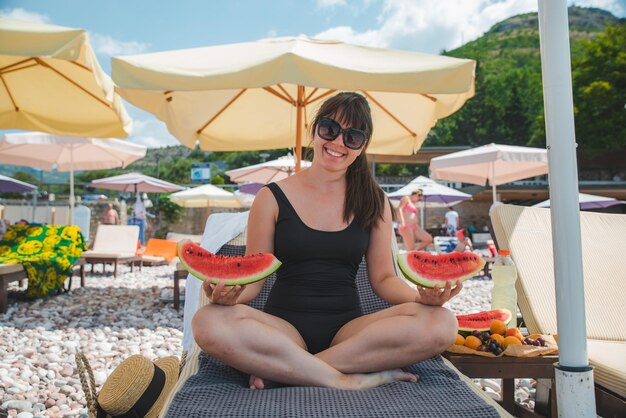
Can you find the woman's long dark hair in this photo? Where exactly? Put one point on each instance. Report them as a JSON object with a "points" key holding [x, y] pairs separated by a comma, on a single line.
{"points": [[365, 200]]}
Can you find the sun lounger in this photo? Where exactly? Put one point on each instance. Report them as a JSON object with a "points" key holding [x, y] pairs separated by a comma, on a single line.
{"points": [[209, 388], [114, 244], [527, 233], [158, 252], [9, 273]]}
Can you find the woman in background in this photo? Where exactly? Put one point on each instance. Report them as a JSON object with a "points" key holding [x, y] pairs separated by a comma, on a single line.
{"points": [[408, 223]]}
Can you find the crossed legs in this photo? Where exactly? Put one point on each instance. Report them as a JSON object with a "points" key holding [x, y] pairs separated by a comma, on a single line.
{"points": [[364, 354]]}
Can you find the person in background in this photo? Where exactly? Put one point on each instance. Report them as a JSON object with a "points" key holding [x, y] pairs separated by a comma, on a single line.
{"points": [[452, 221], [22, 222], [408, 223], [465, 244], [110, 216], [321, 222]]}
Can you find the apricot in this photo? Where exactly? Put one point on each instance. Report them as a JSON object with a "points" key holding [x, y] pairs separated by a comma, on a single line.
{"points": [[497, 337], [460, 340], [511, 340], [472, 342], [497, 327], [514, 332]]}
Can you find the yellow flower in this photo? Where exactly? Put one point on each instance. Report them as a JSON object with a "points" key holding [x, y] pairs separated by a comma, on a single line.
{"points": [[20, 239], [51, 241], [70, 232], [34, 231], [63, 263], [75, 250], [4, 250], [52, 230], [32, 272], [30, 247], [51, 278], [48, 254], [9, 235]]}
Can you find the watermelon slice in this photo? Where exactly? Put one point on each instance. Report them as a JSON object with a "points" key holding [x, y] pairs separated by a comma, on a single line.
{"points": [[481, 321], [429, 270], [233, 270]]}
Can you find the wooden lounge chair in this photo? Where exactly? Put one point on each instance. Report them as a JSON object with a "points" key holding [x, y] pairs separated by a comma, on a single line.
{"points": [[114, 244], [526, 232], [10, 273], [210, 388]]}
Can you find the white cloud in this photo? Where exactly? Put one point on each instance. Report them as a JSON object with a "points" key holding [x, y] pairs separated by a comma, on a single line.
{"points": [[150, 132], [434, 25], [107, 45], [21, 14]]}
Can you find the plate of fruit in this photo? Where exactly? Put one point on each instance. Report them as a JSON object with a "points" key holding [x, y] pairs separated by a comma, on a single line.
{"points": [[488, 334]]}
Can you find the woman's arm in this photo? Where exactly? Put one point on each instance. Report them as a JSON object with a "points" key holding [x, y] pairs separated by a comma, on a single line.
{"points": [[385, 283], [260, 239], [403, 203]]}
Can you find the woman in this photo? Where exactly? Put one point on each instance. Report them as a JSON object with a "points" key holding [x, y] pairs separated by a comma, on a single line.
{"points": [[319, 223], [408, 226]]}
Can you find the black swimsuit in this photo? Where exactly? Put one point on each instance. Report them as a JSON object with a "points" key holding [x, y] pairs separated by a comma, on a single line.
{"points": [[315, 289]]}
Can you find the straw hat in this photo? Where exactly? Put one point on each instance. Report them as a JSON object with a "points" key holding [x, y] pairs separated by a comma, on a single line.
{"points": [[138, 387]]}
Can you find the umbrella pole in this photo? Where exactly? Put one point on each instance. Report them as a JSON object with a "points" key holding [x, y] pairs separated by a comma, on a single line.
{"points": [[493, 184], [72, 185], [299, 109], [574, 376]]}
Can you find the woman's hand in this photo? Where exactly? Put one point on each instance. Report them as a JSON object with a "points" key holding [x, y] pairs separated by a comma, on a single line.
{"points": [[220, 294], [437, 296]]}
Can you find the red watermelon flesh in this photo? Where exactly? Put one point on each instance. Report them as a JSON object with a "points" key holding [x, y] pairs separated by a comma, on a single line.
{"points": [[481, 321], [233, 270], [429, 270]]}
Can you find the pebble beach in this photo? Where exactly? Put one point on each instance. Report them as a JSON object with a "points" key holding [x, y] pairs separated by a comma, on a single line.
{"points": [[110, 319]]}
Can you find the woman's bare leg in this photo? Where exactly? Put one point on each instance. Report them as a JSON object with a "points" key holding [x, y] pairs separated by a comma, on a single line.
{"points": [[268, 347], [424, 237], [395, 337], [408, 238]]}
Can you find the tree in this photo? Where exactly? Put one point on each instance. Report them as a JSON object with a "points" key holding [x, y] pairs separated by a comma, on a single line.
{"points": [[599, 80]]}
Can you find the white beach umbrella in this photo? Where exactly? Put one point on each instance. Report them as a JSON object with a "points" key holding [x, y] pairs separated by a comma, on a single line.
{"points": [[434, 194], [135, 182], [204, 196], [266, 172], [588, 201], [52, 82], [262, 95], [67, 153], [491, 164]]}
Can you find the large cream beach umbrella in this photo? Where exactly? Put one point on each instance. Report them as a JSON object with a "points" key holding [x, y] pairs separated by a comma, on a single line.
{"points": [[492, 164], [52, 82], [262, 95], [67, 153]]}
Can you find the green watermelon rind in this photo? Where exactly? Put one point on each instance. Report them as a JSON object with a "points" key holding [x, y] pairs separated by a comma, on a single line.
{"points": [[503, 315], [430, 283], [227, 281]]}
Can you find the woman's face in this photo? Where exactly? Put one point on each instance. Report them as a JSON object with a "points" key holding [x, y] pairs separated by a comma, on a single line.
{"points": [[333, 154], [415, 197]]}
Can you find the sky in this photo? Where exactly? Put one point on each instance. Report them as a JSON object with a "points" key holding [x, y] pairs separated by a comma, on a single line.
{"points": [[131, 27]]}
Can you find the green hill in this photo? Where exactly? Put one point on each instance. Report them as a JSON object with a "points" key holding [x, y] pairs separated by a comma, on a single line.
{"points": [[508, 106]]}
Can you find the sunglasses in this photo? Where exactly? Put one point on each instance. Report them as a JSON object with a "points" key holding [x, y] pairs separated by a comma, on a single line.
{"points": [[330, 129]]}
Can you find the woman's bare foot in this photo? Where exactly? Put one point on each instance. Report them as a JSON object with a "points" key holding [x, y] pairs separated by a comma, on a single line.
{"points": [[371, 380], [256, 382]]}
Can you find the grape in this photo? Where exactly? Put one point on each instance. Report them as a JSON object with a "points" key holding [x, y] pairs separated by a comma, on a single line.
{"points": [[481, 347], [528, 341], [476, 333], [485, 336], [541, 341], [497, 351]]}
